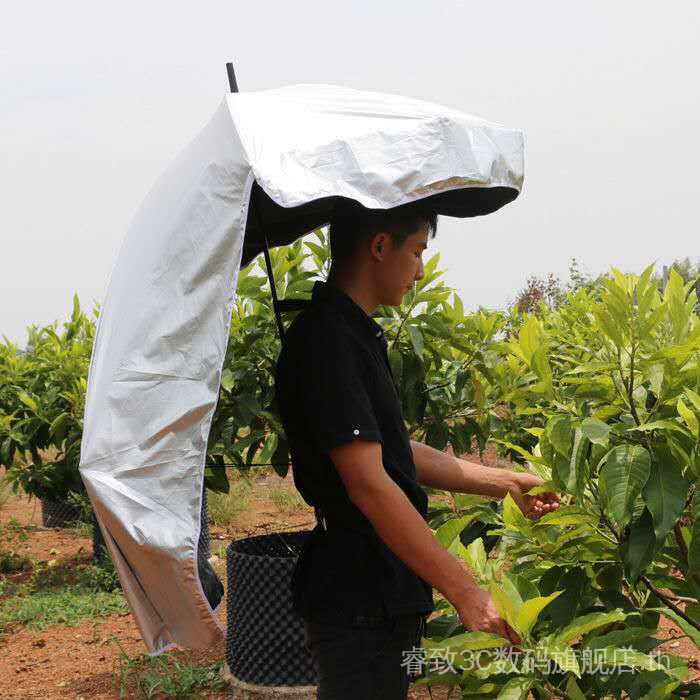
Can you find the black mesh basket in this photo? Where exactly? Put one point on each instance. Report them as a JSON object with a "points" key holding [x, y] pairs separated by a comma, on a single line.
{"points": [[57, 513], [265, 641]]}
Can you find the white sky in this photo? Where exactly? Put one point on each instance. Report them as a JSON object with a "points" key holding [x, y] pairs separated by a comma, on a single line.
{"points": [[97, 98]]}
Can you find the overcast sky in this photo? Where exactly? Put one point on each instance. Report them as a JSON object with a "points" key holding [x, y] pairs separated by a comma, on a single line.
{"points": [[97, 98]]}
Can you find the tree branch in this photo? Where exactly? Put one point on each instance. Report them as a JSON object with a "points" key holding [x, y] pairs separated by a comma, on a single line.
{"points": [[667, 602]]}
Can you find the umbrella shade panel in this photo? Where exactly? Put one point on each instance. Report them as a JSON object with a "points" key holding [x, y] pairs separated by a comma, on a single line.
{"points": [[163, 329]]}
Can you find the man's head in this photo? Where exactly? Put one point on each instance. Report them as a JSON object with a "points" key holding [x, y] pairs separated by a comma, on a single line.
{"points": [[383, 247]]}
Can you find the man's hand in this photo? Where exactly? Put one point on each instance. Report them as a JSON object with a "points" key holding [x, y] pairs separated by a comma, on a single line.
{"points": [[478, 613], [532, 507]]}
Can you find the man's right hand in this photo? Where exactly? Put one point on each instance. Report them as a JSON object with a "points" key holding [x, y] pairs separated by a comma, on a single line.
{"points": [[478, 614]]}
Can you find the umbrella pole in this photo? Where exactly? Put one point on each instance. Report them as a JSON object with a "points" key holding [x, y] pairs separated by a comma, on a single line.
{"points": [[233, 85]]}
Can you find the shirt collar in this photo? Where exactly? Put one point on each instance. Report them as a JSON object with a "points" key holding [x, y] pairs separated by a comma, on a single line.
{"points": [[323, 291]]}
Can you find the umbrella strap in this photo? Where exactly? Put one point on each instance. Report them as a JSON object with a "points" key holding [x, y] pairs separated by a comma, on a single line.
{"points": [[271, 277]]}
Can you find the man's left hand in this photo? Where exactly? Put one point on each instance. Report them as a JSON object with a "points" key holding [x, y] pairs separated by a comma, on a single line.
{"points": [[532, 507]]}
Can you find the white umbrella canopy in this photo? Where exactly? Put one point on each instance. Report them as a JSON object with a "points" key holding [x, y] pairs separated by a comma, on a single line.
{"points": [[163, 328]]}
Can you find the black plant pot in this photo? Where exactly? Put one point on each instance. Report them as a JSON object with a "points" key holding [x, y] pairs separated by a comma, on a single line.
{"points": [[266, 653], [58, 513]]}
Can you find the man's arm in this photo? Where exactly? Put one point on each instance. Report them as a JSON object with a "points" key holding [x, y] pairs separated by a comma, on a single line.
{"points": [[449, 473], [405, 532], [445, 471]]}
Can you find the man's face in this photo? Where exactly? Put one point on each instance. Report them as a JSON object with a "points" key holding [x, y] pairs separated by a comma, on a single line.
{"points": [[402, 266]]}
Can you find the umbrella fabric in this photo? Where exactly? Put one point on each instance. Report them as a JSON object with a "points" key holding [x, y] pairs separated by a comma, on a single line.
{"points": [[163, 329]]}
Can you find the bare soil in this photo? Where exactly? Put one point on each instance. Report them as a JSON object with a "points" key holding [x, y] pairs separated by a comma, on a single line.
{"points": [[82, 661]]}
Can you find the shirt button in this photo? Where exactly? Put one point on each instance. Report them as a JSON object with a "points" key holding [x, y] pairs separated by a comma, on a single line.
{"points": [[356, 432]]}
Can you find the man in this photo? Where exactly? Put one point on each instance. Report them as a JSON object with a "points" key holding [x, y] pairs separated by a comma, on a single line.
{"points": [[363, 583]]}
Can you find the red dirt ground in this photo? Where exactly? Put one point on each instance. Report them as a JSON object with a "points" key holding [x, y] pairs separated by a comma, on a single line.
{"points": [[83, 661]]}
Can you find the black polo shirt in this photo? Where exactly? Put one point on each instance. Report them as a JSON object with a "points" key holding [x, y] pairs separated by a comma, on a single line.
{"points": [[333, 385]]}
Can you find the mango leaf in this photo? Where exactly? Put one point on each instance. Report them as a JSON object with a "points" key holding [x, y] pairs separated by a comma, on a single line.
{"points": [[688, 629], [529, 338], [566, 515], [626, 657], [506, 606], [665, 491], [513, 517], [467, 641], [617, 638], [227, 379], [638, 551], [521, 451], [476, 556], [661, 692], [694, 398], [28, 401], [690, 419], [416, 339], [562, 654], [573, 692], [447, 533], [559, 431], [531, 609], [585, 624], [578, 467], [659, 425], [595, 430], [516, 688], [624, 474]]}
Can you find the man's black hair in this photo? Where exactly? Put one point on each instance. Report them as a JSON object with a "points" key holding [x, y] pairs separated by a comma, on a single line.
{"points": [[352, 224]]}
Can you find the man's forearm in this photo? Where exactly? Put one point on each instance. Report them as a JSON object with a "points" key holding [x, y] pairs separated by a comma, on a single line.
{"points": [[443, 471], [406, 533]]}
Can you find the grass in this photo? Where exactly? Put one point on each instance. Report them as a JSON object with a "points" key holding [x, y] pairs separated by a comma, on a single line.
{"points": [[286, 499], [66, 592], [224, 508], [171, 675]]}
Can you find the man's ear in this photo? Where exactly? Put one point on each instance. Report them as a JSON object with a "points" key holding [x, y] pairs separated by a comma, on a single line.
{"points": [[379, 242]]}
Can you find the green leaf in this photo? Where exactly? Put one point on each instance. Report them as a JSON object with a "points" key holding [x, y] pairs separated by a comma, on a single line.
{"points": [[513, 517], [624, 474], [587, 623], [447, 532], [516, 689], [625, 657], [28, 401], [559, 431], [227, 379], [416, 339], [566, 515], [529, 338], [595, 430], [58, 423], [688, 417], [467, 641], [531, 609], [694, 398], [638, 551], [687, 628], [505, 605], [476, 556], [659, 425], [573, 692], [665, 491], [662, 692]]}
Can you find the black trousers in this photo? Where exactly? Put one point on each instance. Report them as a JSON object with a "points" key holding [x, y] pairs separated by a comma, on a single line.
{"points": [[368, 663]]}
